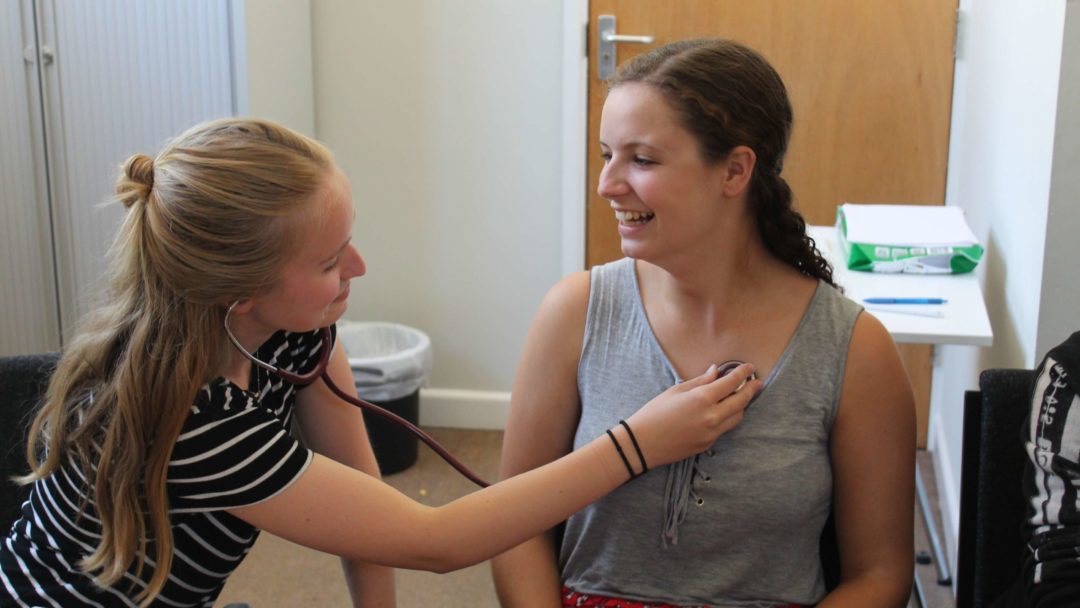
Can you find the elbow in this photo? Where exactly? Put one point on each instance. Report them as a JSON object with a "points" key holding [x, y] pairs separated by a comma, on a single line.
{"points": [[442, 553], [891, 589], [898, 584], [904, 586], [428, 559], [446, 567], [444, 562], [437, 542]]}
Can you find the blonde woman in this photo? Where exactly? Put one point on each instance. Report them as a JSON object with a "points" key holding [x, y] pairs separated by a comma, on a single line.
{"points": [[160, 450]]}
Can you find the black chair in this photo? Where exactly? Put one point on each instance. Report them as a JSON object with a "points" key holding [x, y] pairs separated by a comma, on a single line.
{"points": [[829, 549], [23, 380], [990, 544]]}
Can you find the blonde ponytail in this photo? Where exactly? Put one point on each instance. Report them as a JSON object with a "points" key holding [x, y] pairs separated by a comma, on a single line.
{"points": [[208, 222]]}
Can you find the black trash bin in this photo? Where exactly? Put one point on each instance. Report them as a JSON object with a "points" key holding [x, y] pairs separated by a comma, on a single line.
{"points": [[390, 362]]}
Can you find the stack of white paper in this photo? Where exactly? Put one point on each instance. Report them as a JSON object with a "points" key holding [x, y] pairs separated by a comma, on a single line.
{"points": [[907, 238]]}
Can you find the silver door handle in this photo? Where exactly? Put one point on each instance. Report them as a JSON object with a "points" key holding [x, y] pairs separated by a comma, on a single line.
{"points": [[608, 39]]}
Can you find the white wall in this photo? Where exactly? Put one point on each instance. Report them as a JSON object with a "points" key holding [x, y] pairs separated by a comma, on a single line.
{"points": [[1059, 313], [1006, 116], [275, 46], [445, 115]]}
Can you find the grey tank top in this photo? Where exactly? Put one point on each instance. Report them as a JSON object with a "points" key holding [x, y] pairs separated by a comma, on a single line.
{"points": [[738, 525]]}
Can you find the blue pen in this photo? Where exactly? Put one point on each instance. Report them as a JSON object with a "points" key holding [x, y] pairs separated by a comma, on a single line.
{"points": [[905, 300]]}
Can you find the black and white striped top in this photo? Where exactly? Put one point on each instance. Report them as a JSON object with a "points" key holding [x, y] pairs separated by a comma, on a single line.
{"points": [[234, 450]]}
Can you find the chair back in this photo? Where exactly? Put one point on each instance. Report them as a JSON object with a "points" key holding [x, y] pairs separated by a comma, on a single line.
{"points": [[829, 549], [23, 379], [990, 542]]}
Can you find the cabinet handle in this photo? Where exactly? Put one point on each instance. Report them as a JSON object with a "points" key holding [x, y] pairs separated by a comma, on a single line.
{"points": [[30, 55]]}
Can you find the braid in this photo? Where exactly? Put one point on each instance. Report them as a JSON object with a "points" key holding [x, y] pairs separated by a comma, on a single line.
{"points": [[728, 95], [783, 229]]}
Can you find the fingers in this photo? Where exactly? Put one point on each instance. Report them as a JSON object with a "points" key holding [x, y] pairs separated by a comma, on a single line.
{"points": [[738, 401], [733, 382], [709, 375], [730, 421], [688, 417]]}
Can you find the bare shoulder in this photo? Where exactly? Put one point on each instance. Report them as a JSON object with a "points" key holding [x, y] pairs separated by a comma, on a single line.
{"points": [[872, 448], [870, 347], [569, 296], [875, 381], [544, 404], [560, 319]]}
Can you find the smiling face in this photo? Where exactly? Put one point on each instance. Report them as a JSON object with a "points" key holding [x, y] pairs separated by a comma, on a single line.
{"points": [[664, 194], [313, 288]]}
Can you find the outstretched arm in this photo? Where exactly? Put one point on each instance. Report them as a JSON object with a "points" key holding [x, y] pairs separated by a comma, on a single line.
{"points": [[873, 456], [544, 411], [339, 510], [336, 430]]}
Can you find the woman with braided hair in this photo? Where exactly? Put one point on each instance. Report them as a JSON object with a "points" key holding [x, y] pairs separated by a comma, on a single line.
{"points": [[718, 267], [161, 449]]}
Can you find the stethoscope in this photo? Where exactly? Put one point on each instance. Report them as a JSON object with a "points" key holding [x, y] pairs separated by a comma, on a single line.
{"points": [[319, 371]]}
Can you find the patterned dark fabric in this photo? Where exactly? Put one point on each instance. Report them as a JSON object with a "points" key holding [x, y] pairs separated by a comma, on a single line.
{"points": [[23, 380], [234, 449], [1049, 559], [1052, 473]]}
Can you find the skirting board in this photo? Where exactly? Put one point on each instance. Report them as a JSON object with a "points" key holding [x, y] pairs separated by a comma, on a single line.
{"points": [[947, 489], [464, 409]]}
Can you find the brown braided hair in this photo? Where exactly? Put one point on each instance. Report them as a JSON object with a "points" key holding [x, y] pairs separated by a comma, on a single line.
{"points": [[727, 95]]}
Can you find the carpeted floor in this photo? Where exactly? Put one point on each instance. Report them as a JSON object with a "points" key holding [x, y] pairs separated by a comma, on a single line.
{"points": [[279, 573]]}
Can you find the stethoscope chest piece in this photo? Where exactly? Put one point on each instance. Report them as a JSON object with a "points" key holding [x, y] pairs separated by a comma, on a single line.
{"points": [[727, 367]]}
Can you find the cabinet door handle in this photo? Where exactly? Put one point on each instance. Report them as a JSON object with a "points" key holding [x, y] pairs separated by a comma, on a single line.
{"points": [[30, 54]]}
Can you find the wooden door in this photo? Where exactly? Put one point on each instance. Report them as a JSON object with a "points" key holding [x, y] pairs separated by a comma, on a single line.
{"points": [[871, 86]]}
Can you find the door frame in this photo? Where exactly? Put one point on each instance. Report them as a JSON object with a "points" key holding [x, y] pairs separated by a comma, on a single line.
{"points": [[575, 132]]}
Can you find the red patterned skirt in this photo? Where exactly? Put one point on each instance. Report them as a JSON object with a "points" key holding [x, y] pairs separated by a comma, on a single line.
{"points": [[573, 599]]}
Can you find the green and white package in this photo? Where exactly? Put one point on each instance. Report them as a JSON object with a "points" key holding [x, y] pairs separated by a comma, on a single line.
{"points": [[918, 239]]}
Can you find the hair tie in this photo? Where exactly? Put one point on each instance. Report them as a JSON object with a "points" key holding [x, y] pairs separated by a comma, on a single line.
{"points": [[637, 448], [622, 454], [137, 181]]}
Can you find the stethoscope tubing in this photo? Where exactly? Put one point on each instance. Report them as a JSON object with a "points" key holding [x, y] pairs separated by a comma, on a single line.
{"points": [[412, 428], [320, 372]]}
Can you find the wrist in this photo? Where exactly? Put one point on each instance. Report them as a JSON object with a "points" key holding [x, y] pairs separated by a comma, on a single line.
{"points": [[610, 462], [637, 447], [628, 450]]}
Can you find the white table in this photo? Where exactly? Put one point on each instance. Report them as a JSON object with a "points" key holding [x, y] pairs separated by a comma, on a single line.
{"points": [[963, 320]]}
